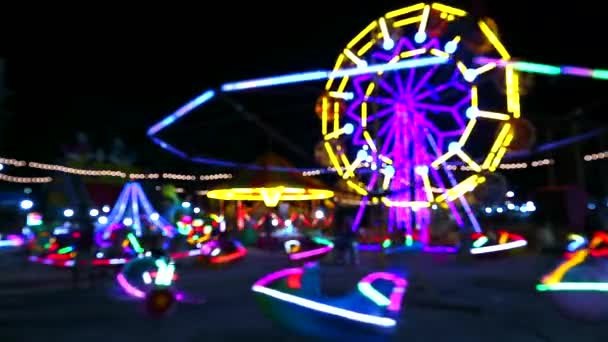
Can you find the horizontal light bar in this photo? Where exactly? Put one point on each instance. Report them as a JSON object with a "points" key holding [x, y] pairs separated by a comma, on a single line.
{"points": [[327, 309], [323, 75], [546, 69], [498, 248], [573, 286]]}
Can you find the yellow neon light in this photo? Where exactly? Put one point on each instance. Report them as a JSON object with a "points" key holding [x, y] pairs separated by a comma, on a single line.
{"points": [[271, 195], [485, 68], [347, 172], [459, 189], [370, 89], [559, 273], [365, 48], [361, 34], [404, 10], [385, 159], [508, 140], [501, 137], [427, 187], [387, 181], [334, 134], [357, 188], [337, 66], [440, 53], [463, 68], [369, 140], [492, 115], [494, 40], [336, 115], [497, 159], [324, 109], [351, 168], [334, 160], [470, 162], [443, 159], [474, 97], [412, 53], [467, 132], [503, 238], [515, 96], [448, 9], [486, 163], [343, 84], [364, 114], [407, 21], [384, 29], [425, 18], [358, 61]]}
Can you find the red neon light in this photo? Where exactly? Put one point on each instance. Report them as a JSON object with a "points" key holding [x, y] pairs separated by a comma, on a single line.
{"points": [[221, 259]]}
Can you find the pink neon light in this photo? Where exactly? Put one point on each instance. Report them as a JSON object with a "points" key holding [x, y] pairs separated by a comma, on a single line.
{"points": [[396, 296], [576, 71], [260, 287], [129, 289], [310, 253]]}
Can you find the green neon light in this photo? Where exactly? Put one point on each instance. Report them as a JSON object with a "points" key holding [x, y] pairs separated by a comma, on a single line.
{"points": [[65, 250], [480, 242], [600, 74], [135, 243], [409, 241], [386, 243], [602, 287], [537, 68]]}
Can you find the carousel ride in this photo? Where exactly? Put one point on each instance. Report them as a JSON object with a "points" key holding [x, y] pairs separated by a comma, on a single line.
{"points": [[131, 228]]}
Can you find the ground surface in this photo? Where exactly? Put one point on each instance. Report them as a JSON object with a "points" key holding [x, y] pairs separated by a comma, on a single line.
{"points": [[449, 299]]}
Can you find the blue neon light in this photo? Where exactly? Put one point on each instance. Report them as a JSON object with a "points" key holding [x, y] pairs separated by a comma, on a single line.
{"points": [[323, 75], [183, 110]]}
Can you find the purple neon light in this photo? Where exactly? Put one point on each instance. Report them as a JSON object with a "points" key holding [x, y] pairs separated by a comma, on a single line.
{"points": [[439, 249], [260, 287], [310, 253], [409, 105]]}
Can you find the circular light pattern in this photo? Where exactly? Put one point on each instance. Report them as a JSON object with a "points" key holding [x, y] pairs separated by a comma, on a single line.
{"points": [[441, 112], [270, 196]]}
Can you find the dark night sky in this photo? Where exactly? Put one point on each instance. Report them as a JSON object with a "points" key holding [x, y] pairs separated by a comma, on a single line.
{"points": [[115, 72]]}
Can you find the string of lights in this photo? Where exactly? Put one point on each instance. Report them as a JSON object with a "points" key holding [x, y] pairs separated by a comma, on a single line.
{"points": [[220, 176]]}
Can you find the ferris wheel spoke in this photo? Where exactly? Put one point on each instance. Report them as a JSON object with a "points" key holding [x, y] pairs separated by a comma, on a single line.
{"points": [[381, 100], [380, 114], [433, 107], [385, 126], [425, 78], [433, 91], [388, 141], [384, 85]]}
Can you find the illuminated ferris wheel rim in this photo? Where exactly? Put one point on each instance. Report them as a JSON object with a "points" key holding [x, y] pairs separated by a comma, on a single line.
{"points": [[380, 30], [320, 75]]}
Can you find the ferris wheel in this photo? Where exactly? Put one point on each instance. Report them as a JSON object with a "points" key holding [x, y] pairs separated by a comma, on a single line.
{"points": [[398, 137]]}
